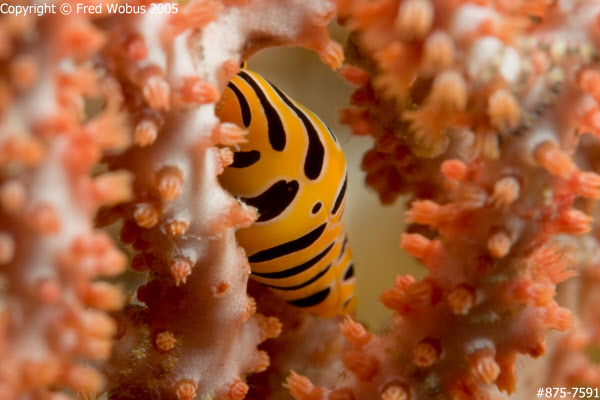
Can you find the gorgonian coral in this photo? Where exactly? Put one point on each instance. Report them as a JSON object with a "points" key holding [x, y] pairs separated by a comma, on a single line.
{"points": [[477, 110], [139, 91], [52, 309], [484, 112], [197, 336]]}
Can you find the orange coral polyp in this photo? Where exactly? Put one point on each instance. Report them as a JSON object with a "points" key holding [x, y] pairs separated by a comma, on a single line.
{"points": [[82, 378], [363, 365], [7, 248], [425, 212], [44, 218], [145, 133], [504, 111], [196, 91], [103, 296], [180, 270], [588, 80], [136, 48], [20, 149], [113, 187], [270, 327], [586, 184], [24, 71], [559, 318], [146, 215], [414, 19], [260, 363], [454, 169], [236, 390], [176, 228], [332, 55], [572, 222], [394, 299], [354, 75], [192, 16], [229, 134], [395, 392], [541, 294], [169, 182], [506, 191], [424, 354], [185, 390], [355, 332], [157, 93], [486, 369], [12, 195], [419, 246], [556, 161], [499, 244], [301, 388], [165, 341], [461, 300], [449, 90], [226, 158]]}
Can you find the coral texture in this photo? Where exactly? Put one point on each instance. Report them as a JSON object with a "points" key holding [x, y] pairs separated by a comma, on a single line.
{"points": [[307, 344], [52, 312], [484, 113], [197, 335], [137, 89]]}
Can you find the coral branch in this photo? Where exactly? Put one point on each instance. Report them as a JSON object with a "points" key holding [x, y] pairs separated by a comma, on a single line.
{"points": [[486, 113], [52, 309], [197, 335], [136, 90], [474, 108]]}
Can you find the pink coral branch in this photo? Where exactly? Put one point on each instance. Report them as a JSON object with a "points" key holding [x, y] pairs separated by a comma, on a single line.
{"points": [[475, 109], [52, 309], [484, 112], [197, 335], [138, 89]]}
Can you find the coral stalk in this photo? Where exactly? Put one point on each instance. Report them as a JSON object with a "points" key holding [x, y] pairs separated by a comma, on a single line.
{"points": [[484, 113], [196, 337], [136, 90], [53, 311], [476, 109]]}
